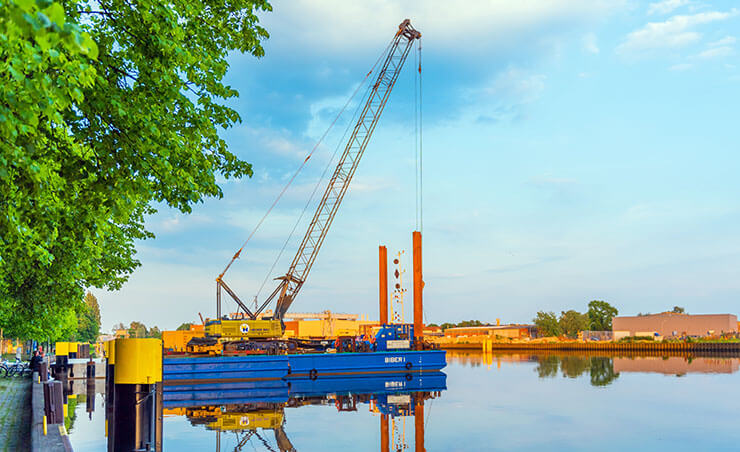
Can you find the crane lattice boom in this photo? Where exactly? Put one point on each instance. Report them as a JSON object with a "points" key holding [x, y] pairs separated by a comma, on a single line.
{"points": [[292, 281]]}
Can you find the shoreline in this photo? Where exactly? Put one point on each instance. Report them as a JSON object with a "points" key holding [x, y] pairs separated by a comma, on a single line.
{"points": [[725, 347]]}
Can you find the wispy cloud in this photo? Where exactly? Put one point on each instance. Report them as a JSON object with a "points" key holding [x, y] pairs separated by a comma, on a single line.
{"points": [[505, 96], [726, 41], [678, 31], [681, 67], [666, 6], [715, 52], [589, 43]]}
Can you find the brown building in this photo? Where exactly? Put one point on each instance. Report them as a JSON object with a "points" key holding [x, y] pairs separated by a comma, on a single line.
{"points": [[507, 331], [668, 324]]}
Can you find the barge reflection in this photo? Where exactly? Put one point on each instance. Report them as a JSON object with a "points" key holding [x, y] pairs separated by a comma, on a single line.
{"points": [[262, 424], [254, 413], [603, 368]]}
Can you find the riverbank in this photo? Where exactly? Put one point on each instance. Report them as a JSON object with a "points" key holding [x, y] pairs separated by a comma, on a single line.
{"points": [[15, 414], [481, 343]]}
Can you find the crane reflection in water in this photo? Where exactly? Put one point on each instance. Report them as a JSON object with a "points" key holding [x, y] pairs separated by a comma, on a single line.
{"points": [[262, 424]]}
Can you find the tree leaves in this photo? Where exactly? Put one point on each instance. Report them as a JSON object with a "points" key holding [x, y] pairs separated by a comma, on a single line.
{"points": [[106, 109]]}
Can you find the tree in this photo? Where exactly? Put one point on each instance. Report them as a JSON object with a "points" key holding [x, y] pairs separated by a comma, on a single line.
{"points": [[572, 322], [547, 324], [600, 314], [679, 310], [88, 328], [106, 110], [155, 333], [184, 327], [137, 330], [119, 326]]}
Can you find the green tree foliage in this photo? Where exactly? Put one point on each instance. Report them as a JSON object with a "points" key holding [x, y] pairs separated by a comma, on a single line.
{"points": [[547, 324], [155, 333], [572, 322], [184, 327], [600, 314], [88, 328], [464, 323], [679, 310], [139, 330], [106, 108]]}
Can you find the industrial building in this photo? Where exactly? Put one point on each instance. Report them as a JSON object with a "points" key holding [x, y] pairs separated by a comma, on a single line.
{"points": [[502, 331], [671, 324], [326, 324]]}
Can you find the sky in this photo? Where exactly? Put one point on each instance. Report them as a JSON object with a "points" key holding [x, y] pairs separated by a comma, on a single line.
{"points": [[572, 151]]}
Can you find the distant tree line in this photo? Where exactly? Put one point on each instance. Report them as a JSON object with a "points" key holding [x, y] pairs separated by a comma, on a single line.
{"points": [[139, 330], [570, 323], [464, 323]]}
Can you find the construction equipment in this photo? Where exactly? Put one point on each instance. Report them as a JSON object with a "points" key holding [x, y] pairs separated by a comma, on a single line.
{"points": [[255, 326]]}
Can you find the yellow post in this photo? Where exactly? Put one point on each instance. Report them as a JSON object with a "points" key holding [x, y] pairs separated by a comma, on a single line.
{"points": [[45, 425], [62, 348], [138, 361]]}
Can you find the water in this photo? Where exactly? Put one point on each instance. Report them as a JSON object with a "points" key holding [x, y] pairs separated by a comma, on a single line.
{"points": [[510, 401]]}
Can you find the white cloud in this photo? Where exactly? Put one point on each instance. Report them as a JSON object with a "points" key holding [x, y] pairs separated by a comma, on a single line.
{"points": [[666, 6], [327, 25], [681, 67], [726, 41], [279, 142], [516, 85], [589, 43], [715, 52], [678, 31], [504, 97]]}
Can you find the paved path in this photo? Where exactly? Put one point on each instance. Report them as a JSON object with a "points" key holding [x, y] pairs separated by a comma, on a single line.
{"points": [[15, 414]]}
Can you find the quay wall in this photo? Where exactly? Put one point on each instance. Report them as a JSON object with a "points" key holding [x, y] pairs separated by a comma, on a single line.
{"points": [[598, 346], [55, 439]]}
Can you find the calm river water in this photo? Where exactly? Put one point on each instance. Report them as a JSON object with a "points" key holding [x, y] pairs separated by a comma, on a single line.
{"points": [[509, 401]]}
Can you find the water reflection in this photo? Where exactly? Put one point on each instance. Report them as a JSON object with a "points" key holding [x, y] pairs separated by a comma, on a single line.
{"points": [[600, 369], [603, 368], [262, 425]]}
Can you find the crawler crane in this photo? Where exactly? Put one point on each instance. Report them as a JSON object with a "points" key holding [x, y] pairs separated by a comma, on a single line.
{"points": [[255, 334]]}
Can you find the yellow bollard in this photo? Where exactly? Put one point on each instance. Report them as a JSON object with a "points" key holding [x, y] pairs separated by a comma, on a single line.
{"points": [[65, 410], [138, 361], [44, 425]]}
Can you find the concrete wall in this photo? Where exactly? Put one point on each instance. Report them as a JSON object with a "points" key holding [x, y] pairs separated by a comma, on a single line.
{"points": [[670, 324]]}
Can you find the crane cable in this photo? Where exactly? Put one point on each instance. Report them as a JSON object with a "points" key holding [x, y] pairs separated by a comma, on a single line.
{"points": [[421, 154], [315, 189], [300, 168]]}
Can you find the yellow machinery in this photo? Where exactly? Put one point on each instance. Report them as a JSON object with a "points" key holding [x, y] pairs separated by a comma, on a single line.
{"points": [[234, 335], [265, 419], [244, 329]]}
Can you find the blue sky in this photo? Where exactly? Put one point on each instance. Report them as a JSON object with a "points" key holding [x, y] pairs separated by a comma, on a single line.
{"points": [[573, 150]]}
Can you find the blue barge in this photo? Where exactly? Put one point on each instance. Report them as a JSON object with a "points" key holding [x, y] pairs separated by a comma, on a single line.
{"points": [[312, 366], [241, 379]]}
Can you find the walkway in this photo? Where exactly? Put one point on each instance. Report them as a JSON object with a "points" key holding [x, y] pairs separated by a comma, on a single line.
{"points": [[15, 414]]}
